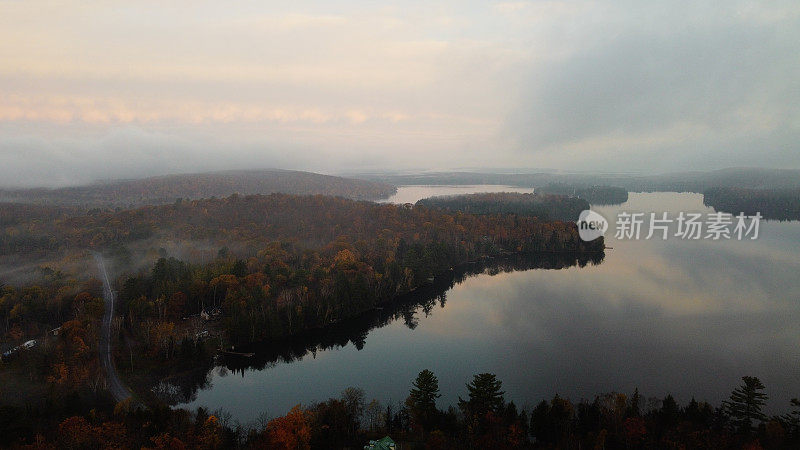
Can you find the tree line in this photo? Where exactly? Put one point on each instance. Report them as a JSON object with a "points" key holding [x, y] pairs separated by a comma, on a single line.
{"points": [[774, 204], [542, 206], [482, 419], [594, 194], [245, 222]]}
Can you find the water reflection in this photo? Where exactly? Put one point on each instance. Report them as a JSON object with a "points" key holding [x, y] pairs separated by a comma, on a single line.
{"points": [[410, 194], [406, 310]]}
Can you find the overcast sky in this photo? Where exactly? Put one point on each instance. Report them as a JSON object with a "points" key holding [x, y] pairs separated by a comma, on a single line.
{"points": [[107, 89]]}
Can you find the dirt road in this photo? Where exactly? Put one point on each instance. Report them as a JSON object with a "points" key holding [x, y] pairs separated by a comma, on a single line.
{"points": [[115, 385]]}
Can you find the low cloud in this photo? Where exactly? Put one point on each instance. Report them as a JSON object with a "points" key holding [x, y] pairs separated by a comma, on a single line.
{"points": [[686, 85], [110, 90]]}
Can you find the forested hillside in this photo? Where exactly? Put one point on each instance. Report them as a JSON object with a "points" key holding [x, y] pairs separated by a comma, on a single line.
{"points": [[318, 260], [275, 264], [166, 189], [754, 178], [775, 204], [542, 206], [254, 221]]}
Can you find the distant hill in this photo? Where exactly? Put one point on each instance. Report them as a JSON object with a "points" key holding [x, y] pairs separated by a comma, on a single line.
{"points": [[246, 225], [169, 188], [748, 178], [774, 204], [751, 178]]}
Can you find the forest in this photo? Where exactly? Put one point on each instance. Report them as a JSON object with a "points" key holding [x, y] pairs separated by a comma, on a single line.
{"points": [[595, 195], [263, 266], [168, 188], [773, 204], [339, 259], [484, 418], [542, 206], [247, 223], [305, 271]]}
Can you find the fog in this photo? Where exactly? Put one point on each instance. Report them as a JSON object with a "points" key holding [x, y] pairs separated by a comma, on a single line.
{"points": [[99, 90]]}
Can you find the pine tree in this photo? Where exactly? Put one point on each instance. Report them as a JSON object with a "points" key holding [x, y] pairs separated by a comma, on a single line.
{"points": [[744, 406], [485, 396], [422, 398]]}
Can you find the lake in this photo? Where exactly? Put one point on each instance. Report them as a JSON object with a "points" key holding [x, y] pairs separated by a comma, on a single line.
{"points": [[410, 194], [686, 317]]}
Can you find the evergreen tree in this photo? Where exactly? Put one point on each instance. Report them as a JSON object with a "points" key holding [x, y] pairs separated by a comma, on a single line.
{"points": [[485, 396], [744, 406], [670, 412], [422, 398]]}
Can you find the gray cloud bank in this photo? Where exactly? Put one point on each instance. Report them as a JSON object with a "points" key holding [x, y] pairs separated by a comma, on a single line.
{"points": [[678, 85]]}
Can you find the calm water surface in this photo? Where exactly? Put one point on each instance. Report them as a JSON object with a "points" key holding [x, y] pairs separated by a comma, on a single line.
{"points": [[410, 194], [681, 317]]}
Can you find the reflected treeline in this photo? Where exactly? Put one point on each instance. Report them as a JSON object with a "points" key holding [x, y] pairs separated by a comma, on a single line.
{"points": [[408, 308], [183, 387]]}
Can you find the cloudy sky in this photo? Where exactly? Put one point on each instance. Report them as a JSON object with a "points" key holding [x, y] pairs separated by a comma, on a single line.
{"points": [[106, 89]]}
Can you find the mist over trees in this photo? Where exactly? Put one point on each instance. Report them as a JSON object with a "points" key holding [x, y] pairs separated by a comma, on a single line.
{"points": [[168, 188], [278, 267], [542, 206], [596, 195], [324, 260], [301, 263]]}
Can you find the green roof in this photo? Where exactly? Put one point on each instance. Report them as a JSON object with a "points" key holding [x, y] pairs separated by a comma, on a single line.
{"points": [[385, 443]]}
